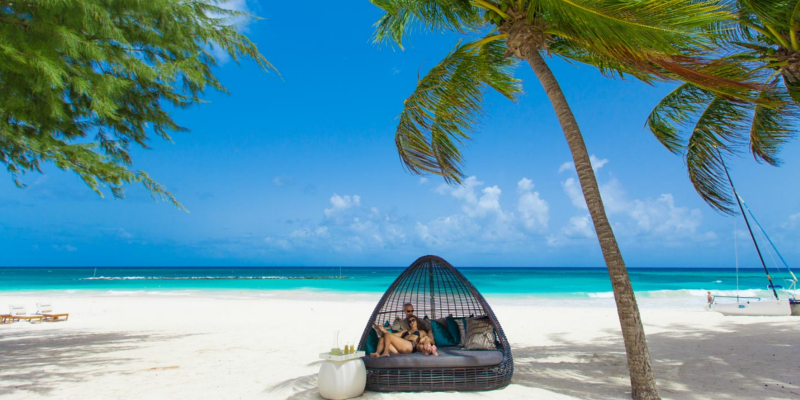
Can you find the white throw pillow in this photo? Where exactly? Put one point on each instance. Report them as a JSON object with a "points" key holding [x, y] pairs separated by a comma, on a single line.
{"points": [[399, 325], [480, 335]]}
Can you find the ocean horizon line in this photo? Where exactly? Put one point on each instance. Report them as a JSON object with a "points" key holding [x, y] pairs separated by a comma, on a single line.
{"points": [[370, 266]]}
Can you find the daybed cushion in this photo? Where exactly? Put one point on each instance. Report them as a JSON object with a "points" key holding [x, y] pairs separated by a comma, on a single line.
{"points": [[449, 357]]}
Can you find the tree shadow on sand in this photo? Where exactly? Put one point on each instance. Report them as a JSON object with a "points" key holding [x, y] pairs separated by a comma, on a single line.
{"points": [[733, 361], [37, 361]]}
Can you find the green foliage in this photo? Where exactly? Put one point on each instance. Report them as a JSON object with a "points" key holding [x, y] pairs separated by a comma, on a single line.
{"points": [[431, 15], [719, 125], [446, 104], [651, 40], [83, 80]]}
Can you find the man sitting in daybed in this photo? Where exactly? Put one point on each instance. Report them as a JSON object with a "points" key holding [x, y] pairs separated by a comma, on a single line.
{"points": [[405, 341]]}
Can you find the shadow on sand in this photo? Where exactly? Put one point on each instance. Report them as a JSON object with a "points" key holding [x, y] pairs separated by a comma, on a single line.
{"points": [[32, 361], [734, 361], [731, 362]]}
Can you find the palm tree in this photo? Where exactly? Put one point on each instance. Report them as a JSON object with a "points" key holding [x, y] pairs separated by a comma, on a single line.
{"points": [[764, 48], [648, 39]]}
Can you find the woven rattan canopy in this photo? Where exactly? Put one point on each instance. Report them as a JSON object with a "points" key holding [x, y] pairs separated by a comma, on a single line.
{"points": [[437, 290]]}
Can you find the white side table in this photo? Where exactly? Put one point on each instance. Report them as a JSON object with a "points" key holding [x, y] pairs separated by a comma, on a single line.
{"points": [[342, 377]]}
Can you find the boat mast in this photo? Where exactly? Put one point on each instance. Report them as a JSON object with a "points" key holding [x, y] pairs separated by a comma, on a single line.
{"points": [[736, 251], [746, 221], [768, 238]]}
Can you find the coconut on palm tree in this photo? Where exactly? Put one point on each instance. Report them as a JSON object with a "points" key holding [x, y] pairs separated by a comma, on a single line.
{"points": [[707, 126], [648, 39]]}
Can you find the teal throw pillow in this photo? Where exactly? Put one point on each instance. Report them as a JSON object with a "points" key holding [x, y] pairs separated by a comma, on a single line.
{"points": [[441, 335], [452, 327], [372, 342]]}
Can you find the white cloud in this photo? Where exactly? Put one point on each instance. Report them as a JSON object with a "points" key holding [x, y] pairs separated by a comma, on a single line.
{"points": [[321, 231], [281, 181], [668, 221], [341, 203], [483, 220], [533, 210], [282, 244], [791, 222], [346, 227], [597, 163], [423, 180], [241, 25], [444, 231], [349, 225], [474, 206], [66, 247], [579, 226], [659, 219], [613, 197], [573, 191]]}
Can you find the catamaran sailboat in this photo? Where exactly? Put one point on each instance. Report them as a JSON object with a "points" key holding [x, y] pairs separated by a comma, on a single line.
{"points": [[755, 306]]}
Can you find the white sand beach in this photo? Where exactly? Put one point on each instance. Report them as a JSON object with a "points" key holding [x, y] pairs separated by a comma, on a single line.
{"points": [[265, 346]]}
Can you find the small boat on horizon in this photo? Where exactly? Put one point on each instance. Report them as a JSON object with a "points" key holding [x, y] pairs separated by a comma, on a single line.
{"points": [[756, 306]]}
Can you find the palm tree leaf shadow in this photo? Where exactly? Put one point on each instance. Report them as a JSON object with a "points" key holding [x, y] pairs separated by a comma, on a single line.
{"points": [[301, 387], [691, 363], [41, 362]]}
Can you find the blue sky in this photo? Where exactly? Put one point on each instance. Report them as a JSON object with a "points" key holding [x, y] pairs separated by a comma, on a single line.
{"points": [[303, 171]]}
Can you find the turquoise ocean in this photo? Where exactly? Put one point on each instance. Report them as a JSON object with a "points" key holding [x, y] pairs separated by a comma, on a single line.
{"points": [[668, 285]]}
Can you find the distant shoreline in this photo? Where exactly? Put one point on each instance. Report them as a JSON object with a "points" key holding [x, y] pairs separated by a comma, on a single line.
{"points": [[211, 278], [183, 267]]}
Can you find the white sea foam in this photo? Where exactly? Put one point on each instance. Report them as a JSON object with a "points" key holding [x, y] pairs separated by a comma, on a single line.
{"points": [[661, 299], [684, 293], [124, 292], [601, 295], [169, 293], [189, 278], [114, 278]]}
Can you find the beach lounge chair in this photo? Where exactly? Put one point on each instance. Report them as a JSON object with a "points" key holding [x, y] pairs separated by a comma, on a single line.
{"points": [[19, 313], [440, 292], [45, 309]]}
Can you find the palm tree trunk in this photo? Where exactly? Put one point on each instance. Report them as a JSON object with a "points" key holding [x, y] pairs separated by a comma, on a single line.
{"points": [[643, 383]]}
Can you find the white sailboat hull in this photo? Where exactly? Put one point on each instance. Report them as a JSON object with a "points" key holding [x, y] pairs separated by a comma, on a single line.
{"points": [[795, 307], [753, 308]]}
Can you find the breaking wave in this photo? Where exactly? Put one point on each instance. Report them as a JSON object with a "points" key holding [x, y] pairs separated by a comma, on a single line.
{"points": [[692, 293], [187, 278]]}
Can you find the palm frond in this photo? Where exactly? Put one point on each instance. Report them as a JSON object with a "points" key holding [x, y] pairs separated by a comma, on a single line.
{"points": [[792, 84], [774, 13], [772, 127], [432, 15], [570, 51], [625, 29], [658, 39], [719, 130], [447, 103], [675, 112]]}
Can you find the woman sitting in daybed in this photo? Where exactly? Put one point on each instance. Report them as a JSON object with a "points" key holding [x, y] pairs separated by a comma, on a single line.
{"points": [[405, 342]]}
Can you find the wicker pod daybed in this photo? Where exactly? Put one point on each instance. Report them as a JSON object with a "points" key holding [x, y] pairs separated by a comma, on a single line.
{"points": [[437, 290]]}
